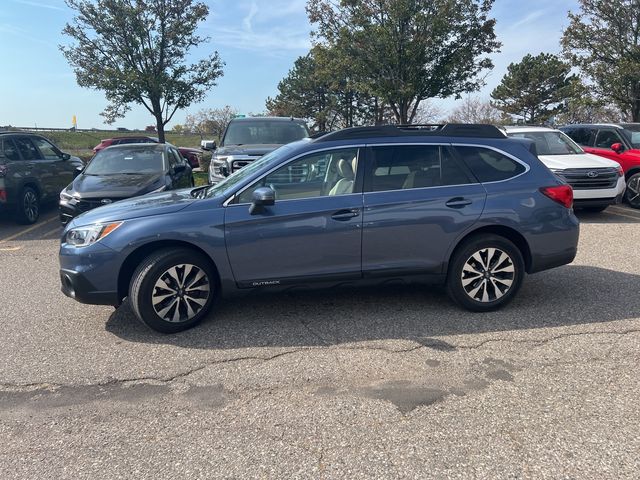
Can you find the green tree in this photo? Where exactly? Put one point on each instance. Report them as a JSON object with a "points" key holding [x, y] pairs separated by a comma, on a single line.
{"points": [[136, 52], [405, 51], [585, 106], [305, 93], [210, 121], [476, 110], [603, 39], [535, 89]]}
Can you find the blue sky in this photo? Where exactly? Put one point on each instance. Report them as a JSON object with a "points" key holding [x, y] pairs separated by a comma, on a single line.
{"points": [[258, 39]]}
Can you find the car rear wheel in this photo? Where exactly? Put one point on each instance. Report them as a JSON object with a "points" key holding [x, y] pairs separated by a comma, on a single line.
{"points": [[28, 206], [632, 194], [485, 273], [173, 290]]}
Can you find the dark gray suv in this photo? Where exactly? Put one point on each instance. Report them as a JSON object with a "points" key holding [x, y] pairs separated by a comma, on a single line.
{"points": [[32, 171], [456, 204]]}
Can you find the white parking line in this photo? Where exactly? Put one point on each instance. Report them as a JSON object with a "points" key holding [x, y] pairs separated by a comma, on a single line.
{"points": [[27, 230], [623, 215], [626, 211], [56, 230]]}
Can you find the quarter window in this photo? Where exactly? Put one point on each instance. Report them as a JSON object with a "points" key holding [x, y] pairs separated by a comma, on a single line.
{"points": [[317, 175], [406, 167], [488, 165]]}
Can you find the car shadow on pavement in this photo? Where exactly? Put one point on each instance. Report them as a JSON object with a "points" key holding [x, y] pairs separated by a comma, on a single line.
{"points": [[570, 295]]}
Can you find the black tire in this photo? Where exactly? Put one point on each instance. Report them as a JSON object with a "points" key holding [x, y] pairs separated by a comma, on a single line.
{"points": [[176, 301], [595, 209], [468, 288], [28, 206], [632, 193]]}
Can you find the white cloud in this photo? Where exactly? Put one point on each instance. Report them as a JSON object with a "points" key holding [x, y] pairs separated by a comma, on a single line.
{"points": [[42, 4]]}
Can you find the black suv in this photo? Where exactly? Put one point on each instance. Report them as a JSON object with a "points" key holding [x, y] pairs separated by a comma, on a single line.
{"points": [[32, 171], [247, 139]]}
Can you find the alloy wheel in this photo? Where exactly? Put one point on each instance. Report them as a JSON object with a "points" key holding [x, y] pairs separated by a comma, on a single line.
{"points": [[633, 191], [488, 275], [30, 206], [180, 293]]}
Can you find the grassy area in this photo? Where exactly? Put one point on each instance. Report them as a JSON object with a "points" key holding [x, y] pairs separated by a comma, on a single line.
{"points": [[81, 143], [71, 140], [200, 178]]}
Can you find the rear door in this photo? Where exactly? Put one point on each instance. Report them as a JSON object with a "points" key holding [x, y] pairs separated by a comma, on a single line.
{"points": [[312, 233], [417, 200], [35, 166]]}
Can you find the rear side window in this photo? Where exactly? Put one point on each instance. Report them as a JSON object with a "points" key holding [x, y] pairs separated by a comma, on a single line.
{"points": [[406, 167], [8, 150], [489, 165], [582, 136]]}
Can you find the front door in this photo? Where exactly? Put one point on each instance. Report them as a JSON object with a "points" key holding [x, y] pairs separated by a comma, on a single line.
{"points": [[311, 233], [418, 199]]}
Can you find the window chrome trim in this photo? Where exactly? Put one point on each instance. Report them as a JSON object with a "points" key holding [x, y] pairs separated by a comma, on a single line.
{"points": [[310, 152], [394, 144]]}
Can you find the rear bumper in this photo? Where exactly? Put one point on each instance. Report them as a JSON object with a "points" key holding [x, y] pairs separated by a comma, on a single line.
{"points": [[597, 202]]}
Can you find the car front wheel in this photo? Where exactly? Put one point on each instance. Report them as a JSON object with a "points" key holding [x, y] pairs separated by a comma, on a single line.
{"points": [[173, 290], [632, 194], [485, 273]]}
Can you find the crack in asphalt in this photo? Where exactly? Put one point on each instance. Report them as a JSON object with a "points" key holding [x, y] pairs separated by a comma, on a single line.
{"points": [[169, 379]]}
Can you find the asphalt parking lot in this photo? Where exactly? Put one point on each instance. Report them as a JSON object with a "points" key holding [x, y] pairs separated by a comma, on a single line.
{"points": [[391, 382]]}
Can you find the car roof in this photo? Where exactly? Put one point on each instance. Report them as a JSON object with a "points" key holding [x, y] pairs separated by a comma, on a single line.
{"points": [[157, 146], [269, 119], [467, 130], [131, 137], [595, 125], [528, 128]]}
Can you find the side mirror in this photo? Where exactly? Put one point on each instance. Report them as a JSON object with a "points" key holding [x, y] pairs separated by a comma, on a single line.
{"points": [[78, 171], [208, 145], [262, 197], [617, 147], [65, 156]]}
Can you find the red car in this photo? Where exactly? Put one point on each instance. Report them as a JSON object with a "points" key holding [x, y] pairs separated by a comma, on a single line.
{"points": [[192, 155], [616, 141]]}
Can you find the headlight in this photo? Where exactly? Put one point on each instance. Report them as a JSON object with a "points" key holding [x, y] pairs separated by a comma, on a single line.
{"points": [[89, 234], [620, 171], [65, 196]]}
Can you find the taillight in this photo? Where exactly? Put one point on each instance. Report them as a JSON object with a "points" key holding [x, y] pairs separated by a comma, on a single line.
{"points": [[563, 194], [3, 195]]}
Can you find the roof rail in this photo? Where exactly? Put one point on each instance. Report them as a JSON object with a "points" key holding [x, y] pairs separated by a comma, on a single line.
{"points": [[447, 129]]}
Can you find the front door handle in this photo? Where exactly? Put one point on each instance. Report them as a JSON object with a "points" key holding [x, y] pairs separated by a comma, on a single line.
{"points": [[342, 215], [458, 202]]}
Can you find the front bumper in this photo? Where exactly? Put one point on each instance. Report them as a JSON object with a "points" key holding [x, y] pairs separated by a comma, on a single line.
{"points": [[75, 285], [90, 274], [68, 211]]}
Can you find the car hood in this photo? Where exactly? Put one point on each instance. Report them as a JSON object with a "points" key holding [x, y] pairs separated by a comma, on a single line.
{"points": [[252, 150], [585, 160], [144, 206], [115, 186], [191, 150]]}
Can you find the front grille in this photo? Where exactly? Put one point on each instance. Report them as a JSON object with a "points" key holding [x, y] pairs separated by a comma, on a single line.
{"points": [[238, 164], [86, 205], [590, 178]]}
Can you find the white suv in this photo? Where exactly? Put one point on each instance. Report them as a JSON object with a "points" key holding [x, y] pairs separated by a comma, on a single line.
{"points": [[597, 182]]}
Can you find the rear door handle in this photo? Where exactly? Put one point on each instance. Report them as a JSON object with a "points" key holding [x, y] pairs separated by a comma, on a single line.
{"points": [[458, 202], [342, 215]]}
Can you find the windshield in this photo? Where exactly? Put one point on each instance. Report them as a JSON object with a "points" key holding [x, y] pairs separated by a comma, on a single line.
{"points": [[264, 132], [551, 143], [126, 161], [245, 172]]}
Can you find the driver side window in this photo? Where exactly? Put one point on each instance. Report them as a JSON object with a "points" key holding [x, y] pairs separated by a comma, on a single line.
{"points": [[320, 174]]}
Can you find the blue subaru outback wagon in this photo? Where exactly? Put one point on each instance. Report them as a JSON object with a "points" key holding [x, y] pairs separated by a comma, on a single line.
{"points": [[457, 204]]}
